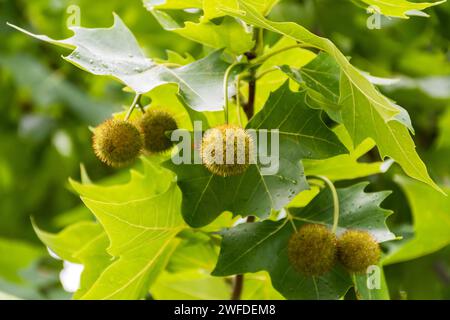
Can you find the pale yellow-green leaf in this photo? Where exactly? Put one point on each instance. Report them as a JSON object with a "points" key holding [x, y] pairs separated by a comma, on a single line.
{"points": [[431, 216], [141, 219], [190, 285], [84, 243], [213, 8], [400, 8]]}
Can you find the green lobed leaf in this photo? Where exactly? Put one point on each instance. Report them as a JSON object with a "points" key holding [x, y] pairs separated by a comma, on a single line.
{"points": [[206, 196], [141, 219], [115, 52], [365, 111], [69, 241], [252, 247], [260, 246], [95, 259]]}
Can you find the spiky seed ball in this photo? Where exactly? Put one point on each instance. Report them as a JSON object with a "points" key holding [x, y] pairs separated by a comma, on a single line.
{"points": [[214, 150], [154, 124], [358, 250], [117, 142], [312, 250]]}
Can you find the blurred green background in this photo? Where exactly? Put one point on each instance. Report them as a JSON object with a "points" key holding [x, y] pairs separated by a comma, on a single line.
{"points": [[47, 106]]}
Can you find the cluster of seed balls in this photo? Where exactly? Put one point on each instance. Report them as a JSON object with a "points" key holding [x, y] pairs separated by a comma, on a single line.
{"points": [[313, 250], [118, 142]]}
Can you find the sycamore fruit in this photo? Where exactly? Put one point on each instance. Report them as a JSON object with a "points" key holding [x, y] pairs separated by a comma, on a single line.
{"points": [[357, 250], [154, 126], [227, 150], [312, 250], [117, 142]]}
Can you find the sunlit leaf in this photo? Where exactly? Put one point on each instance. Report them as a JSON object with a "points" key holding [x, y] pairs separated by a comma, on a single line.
{"points": [[431, 215], [400, 8], [115, 52], [141, 219]]}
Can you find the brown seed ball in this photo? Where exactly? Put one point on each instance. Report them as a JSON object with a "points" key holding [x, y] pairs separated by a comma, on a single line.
{"points": [[357, 250], [217, 140], [154, 124], [117, 142], [312, 250]]}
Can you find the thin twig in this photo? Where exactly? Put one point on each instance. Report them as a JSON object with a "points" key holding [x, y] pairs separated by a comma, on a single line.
{"points": [[133, 106]]}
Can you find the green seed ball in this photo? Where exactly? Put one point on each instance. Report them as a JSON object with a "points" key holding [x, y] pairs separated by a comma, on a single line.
{"points": [[312, 250], [357, 250], [117, 142], [223, 138], [154, 126]]}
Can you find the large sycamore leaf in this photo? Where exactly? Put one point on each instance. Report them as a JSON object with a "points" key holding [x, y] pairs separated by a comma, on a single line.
{"points": [[252, 247], [392, 138], [115, 52], [431, 215], [322, 77], [365, 112], [400, 8], [141, 219], [228, 34], [83, 243], [302, 134]]}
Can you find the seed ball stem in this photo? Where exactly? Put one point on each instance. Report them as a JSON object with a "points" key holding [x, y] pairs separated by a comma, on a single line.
{"points": [[357, 250], [227, 150], [335, 197], [312, 250], [117, 142], [153, 125]]}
